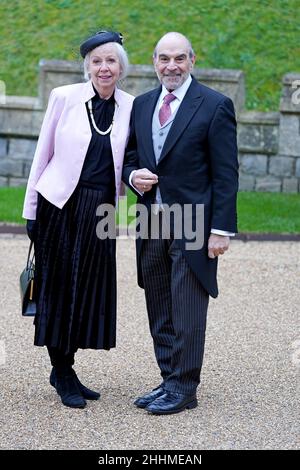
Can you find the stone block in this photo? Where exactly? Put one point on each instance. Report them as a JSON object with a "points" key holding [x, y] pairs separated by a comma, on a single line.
{"points": [[281, 166], [258, 132], [290, 185], [54, 73], [16, 182], [9, 167], [230, 82], [249, 137], [21, 148], [268, 184], [270, 136], [36, 124], [297, 172], [290, 95], [3, 147], [3, 181], [254, 164], [16, 121], [26, 169], [246, 182], [289, 137]]}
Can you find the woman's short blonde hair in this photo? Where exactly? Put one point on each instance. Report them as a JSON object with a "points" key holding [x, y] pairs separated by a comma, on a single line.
{"points": [[123, 59]]}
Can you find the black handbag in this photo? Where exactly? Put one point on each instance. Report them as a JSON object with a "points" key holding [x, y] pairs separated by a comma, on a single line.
{"points": [[27, 286]]}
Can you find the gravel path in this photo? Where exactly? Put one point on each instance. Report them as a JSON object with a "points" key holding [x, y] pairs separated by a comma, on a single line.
{"points": [[248, 398]]}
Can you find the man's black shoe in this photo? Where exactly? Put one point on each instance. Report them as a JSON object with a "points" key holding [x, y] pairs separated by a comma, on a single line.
{"points": [[171, 402], [87, 393], [148, 398]]}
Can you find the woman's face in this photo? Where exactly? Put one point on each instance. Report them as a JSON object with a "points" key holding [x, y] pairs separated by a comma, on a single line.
{"points": [[105, 68]]}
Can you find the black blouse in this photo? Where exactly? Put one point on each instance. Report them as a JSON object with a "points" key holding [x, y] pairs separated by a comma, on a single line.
{"points": [[98, 167]]}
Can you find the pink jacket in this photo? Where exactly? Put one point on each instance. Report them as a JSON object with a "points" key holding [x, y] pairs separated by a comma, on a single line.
{"points": [[63, 142]]}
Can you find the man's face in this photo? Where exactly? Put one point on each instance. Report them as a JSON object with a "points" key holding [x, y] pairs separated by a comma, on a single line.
{"points": [[173, 63]]}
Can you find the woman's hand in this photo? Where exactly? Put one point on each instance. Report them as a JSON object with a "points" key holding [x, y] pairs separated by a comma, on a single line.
{"points": [[31, 229]]}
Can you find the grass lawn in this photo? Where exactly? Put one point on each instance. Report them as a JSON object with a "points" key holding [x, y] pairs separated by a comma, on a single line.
{"points": [[258, 36], [268, 212], [11, 204], [257, 212]]}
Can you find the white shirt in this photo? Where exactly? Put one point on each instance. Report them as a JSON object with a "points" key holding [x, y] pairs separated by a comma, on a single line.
{"points": [[180, 94]]}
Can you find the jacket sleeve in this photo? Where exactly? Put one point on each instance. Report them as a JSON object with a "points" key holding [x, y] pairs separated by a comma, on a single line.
{"points": [[223, 153], [131, 160], [44, 152]]}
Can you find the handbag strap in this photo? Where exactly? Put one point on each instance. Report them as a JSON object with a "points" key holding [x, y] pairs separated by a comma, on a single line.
{"points": [[30, 260]]}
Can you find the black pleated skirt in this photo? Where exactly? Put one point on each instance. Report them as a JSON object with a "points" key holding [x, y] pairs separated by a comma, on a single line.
{"points": [[75, 275]]}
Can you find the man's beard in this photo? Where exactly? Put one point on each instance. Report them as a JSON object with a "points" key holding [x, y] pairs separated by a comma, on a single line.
{"points": [[174, 84]]}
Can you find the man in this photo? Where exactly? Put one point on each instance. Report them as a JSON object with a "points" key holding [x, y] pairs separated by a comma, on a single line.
{"points": [[182, 150]]}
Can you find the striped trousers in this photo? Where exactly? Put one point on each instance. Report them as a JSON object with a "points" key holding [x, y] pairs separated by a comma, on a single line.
{"points": [[177, 310]]}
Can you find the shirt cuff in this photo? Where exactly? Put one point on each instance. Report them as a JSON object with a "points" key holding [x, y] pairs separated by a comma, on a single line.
{"points": [[130, 182], [224, 233]]}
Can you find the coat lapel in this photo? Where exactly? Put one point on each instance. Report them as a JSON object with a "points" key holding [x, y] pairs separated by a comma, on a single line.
{"points": [[190, 104], [146, 123], [77, 102]]}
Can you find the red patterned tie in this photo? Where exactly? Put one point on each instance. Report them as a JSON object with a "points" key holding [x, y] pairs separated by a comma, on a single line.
{"points": [[165, 110]]}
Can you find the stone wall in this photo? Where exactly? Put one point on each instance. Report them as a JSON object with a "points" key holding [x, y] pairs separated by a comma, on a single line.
{"points": [[269, 143]]}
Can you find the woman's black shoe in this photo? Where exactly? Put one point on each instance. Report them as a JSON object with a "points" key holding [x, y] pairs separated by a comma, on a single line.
{"points": [[87, 393], [67, 388]]}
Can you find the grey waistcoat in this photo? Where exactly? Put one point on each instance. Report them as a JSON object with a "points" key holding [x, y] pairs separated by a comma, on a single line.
{"points": [[159, 135]]}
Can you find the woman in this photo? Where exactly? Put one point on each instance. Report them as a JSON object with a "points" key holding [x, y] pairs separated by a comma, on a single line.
{"points": [[77, 166]]}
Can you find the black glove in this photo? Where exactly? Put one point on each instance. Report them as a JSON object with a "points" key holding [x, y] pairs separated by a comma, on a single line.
{"points": [[31, 228]]}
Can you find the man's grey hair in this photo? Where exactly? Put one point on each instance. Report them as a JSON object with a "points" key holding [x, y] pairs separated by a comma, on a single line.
{"points": [[123, 59]]}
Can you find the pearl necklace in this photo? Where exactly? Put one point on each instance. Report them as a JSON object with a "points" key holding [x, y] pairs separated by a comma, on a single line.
{"points": [[94, 123]]}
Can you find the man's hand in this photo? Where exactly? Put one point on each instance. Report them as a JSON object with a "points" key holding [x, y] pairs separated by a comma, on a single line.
{"points": [[217, 245], [143, 180]]}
